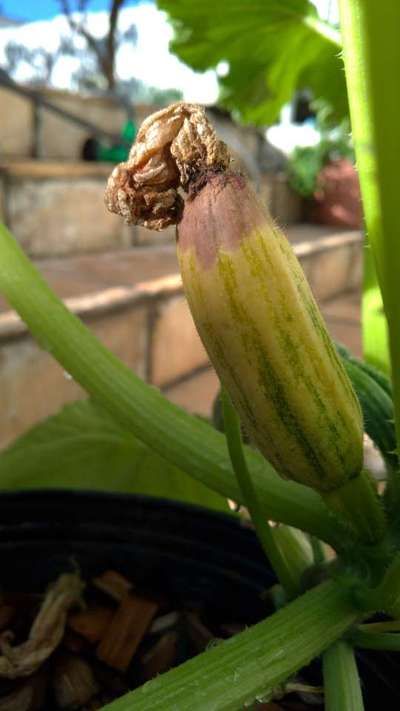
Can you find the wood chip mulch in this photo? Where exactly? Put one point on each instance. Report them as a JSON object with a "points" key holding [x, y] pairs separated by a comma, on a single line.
{"points": [[79, 646]]}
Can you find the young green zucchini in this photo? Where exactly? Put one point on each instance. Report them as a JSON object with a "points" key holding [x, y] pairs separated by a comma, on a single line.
{"points": [[248, 295], [265, 336]]}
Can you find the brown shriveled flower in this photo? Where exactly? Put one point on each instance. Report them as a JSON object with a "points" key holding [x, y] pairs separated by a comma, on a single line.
{"points": [[172, 148], [46, 632]]}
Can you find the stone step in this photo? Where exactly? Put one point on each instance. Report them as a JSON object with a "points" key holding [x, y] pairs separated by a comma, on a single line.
{"points": [[330, 257], [57, 208], [133, 301]]}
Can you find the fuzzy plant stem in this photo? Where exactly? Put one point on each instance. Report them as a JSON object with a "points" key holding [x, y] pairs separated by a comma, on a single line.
{"points": [[358, 501], [341, 679], [371, 51], [386, 626], [386, 595], [384, 641], [254, 663], [264, 532]]}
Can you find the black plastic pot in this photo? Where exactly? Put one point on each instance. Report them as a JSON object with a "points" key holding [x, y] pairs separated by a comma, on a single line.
{"points": [[188, 552], [191, 554]]}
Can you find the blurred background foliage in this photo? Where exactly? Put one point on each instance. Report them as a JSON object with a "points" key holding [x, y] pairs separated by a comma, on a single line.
{"points": [[264, 51], [305, 162]]}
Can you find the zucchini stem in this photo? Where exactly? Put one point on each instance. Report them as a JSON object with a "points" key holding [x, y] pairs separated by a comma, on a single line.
{"points": [[359, 503], [263, 529]]}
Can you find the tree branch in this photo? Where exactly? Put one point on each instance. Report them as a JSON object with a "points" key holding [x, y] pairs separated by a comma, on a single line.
{"points": [[105, 60]]}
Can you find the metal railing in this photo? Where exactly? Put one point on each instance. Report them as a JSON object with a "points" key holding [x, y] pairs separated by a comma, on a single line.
{"points": [[39, 102]]}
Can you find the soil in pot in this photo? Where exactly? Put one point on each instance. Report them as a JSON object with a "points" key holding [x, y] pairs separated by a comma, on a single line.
{"points": [[114, 638]]}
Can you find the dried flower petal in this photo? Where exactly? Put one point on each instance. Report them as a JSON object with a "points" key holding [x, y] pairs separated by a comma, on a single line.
{"points": [[173, 147], [46, 632]]}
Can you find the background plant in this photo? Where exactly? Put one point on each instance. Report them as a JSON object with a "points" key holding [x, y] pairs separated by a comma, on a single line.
{"points": [[305, 162]]}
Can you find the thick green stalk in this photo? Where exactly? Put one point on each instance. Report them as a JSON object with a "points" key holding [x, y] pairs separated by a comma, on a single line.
{"points": [[385, 641], [371, 51], [188, 442], [386, 626], [284, 573], [252, 664], [341, 679], [374, 326], [386, 595], [295, 547], [358, 501]]}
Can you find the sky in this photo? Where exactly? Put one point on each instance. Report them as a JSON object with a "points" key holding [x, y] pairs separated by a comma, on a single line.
{"points": [[29, 10], [45, 9]]}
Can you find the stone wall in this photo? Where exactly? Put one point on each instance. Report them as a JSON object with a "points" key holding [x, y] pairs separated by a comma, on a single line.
{"points": [[150, 328], [58, 208], [16, 125], [58, 139], [62, 140]]}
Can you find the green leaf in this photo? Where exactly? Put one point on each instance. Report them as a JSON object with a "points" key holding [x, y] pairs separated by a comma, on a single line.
{"points": [[82, 447], [273, 48], [303, 167], [374, 393]]}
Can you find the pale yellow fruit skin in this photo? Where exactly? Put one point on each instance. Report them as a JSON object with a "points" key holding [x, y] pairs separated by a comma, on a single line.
{"points": [[265, 336]]}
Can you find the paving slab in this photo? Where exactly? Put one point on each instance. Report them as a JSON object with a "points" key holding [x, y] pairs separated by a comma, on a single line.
{"points": [[86, 274], [343, 315]]}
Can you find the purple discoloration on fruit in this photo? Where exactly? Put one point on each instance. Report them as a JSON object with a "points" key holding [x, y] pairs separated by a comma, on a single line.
{"points": [[222, 209]]}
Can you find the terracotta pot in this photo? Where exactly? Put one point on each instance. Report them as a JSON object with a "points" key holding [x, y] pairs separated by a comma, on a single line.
{"points": [[337, 200]]}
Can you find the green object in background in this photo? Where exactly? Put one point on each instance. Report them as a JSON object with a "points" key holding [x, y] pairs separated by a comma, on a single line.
{"points": [[118, 153], [305, 162], [129, 131]]}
